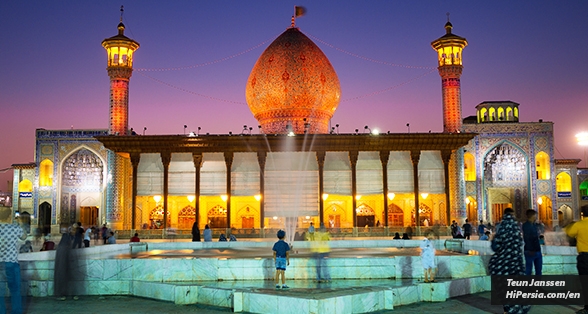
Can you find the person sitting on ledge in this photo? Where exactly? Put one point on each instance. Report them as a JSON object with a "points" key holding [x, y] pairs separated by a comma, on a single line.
{"points": [[222, 238], [48, 245], [232, 238], [485, 236], [396, 236], [405, 236], [111, 239], [135, 238]]}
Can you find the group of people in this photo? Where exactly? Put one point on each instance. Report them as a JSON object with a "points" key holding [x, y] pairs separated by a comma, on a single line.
{"points": [[207, 234]]}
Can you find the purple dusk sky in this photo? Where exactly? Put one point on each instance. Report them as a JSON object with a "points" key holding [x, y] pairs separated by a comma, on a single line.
{"points": [[53, 68]]}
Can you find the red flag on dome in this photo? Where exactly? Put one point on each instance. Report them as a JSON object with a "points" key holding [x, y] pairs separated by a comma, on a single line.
{"points": [[299, 11]]}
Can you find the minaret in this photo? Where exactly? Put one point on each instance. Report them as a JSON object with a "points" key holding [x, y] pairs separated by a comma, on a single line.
{"points": [[120, 51], [449, 48]]}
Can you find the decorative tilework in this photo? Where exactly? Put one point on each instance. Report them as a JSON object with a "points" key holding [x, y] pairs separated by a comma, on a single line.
{"points": [[291, 81]]}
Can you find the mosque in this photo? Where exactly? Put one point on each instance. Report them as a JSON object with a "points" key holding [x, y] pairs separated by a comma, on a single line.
{"points": [[297, 169]]}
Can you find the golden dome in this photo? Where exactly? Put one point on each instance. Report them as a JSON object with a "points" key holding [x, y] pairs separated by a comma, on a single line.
{"points": [[293, 83]]}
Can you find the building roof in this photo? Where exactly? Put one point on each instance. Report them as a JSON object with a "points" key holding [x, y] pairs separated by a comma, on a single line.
{"points": [[30, 165]]}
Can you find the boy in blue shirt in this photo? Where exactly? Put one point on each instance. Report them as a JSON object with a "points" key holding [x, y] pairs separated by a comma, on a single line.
{"points": [[281, 258]]}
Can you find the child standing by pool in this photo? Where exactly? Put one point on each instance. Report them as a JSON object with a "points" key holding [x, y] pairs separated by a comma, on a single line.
{"points": [[428, 258], [281, 258]]}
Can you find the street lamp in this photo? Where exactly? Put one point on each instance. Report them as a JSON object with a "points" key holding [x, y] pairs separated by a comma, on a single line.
{"points": [[582, 139]]}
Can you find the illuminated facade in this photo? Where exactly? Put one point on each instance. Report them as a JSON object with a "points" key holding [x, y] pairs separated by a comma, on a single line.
{"points": [[293, 86], [258, 182], [514, 166]]}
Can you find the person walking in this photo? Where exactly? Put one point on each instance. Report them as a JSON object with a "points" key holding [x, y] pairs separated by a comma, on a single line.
{"points": [[87, 237], [9, 268], [64, 266], [195, 232], [320, 247], [507, 259], [207, 234], [78, 235], [467, 230], [481, 229], [579, 231], [533, 254]]}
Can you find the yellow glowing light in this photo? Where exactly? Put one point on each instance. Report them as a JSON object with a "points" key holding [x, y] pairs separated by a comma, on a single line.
{"points": [[358, 197], [157, 198], [468, 201], [375, 132], [325, 196], [539, 200], [424, 195], [257, 197], [275, 218], [391, 196], [224, 197], [307, 217], [191, 198], [582, 138]]}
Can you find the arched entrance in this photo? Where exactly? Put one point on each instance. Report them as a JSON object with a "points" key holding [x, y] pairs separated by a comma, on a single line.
{"points": [[217, 217], [186, 217], [335, 214], [544, 210], [395, 216], [247, 216], [472, 209], [156, 218], [81, 188], [44, 219], [425, 213], [564, 215], [365, 216]]}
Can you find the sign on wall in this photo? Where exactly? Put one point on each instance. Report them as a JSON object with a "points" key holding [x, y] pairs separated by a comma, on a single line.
{"points": [[564, 194], [25, 194]]}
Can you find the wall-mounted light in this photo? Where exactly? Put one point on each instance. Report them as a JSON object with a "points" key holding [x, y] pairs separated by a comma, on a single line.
{"points": [[540, 200], [358, 197], [325, 196], [157, 198], [275, 218], [424, 195], [224, 197], [257, 197], [391, 196], [191, 198]]}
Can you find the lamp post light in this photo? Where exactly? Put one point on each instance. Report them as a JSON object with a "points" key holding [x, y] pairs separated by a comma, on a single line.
{"points": [[582, 139]]}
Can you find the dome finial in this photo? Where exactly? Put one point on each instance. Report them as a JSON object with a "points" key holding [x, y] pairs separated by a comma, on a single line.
{"points": [[448, 25], [122, 10]]}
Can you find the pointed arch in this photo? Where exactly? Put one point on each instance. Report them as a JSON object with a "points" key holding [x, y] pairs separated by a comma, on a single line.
{"points": [[25, 186], [46, 173], [563, 182], [543, 166]]}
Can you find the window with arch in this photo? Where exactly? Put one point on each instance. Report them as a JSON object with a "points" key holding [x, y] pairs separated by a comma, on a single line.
{"points": [[395, 215], [543, 166], [217, 217], [365, 216], [492, 114], [500, 114], [563, 182], [483, 115], [469, 166], [584, 188], [186, 217], [25, 186], [509, 116], [46, 173]]}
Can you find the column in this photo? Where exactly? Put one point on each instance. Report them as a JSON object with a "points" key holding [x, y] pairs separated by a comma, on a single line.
{"points": [[197, 158], [353, 155], [165, 159], [384, 156], [135, 158], [229, 164], [446, 157], [415, 156], [320, 158], [261, 158]]}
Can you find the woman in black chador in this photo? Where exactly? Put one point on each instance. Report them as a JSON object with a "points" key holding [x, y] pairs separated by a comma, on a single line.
{"points": [[195, 232], [64, 268], [508, 254]]}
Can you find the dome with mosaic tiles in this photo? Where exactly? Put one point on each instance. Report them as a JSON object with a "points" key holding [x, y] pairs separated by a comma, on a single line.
{"points": [[293, 84]]}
